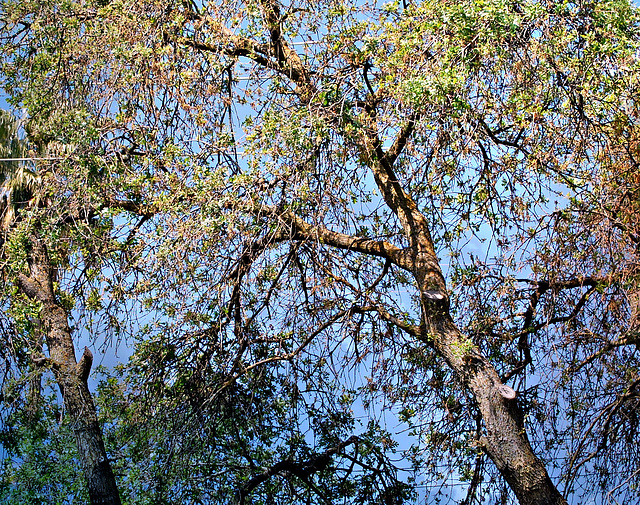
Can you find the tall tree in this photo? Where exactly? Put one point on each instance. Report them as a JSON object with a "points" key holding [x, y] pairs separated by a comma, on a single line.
{"points": [[305, 178]]}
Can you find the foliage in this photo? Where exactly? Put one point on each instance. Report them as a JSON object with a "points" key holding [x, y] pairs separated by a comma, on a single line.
{"points": [[220, 208], [173, 449], [39, 461]]}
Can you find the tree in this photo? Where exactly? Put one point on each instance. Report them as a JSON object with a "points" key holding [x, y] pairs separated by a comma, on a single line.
{"points": [[37, 304], [292, 186]]}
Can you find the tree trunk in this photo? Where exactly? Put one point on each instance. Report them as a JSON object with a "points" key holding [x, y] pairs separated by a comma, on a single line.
{"points": [[506, 440], [71, 377]]}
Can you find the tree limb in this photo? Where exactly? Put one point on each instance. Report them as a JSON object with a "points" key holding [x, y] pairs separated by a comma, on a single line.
{"points": [[385, 315], [303, 470], [299, 229], [83, 367]]}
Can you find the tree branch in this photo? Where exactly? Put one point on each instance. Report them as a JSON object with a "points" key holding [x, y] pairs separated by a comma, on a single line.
{"points": [[299, 229], [401, 141], [385, 315], [242, 370], [83, 367], [303, 470], [528, 328], [32, 288], [287, 62]]}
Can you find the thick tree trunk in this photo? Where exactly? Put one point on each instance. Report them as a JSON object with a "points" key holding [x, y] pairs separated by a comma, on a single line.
{"points": [[506, 440], [71, 377]]}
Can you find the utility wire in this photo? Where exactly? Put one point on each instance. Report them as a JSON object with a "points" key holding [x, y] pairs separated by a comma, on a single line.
{"points": [[30, 159]]}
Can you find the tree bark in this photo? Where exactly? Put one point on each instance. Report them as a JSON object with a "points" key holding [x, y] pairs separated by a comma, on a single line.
{"points": [[71, 376], [505, 441]]}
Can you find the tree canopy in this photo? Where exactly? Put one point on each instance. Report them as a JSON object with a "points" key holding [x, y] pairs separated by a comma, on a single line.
{"points": [[310, 223]]}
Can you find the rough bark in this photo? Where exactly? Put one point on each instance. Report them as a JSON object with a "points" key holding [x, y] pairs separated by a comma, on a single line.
{"points": [[505, 441], [71, 377]]}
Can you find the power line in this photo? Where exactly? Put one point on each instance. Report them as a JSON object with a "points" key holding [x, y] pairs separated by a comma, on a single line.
{"points": [[30, 159]]}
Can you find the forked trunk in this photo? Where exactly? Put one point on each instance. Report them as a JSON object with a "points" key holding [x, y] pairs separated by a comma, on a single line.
{"points": [[506, 440]]}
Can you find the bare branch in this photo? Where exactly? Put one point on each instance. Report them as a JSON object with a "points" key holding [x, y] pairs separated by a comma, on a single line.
{"points": [[280, 357]]}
